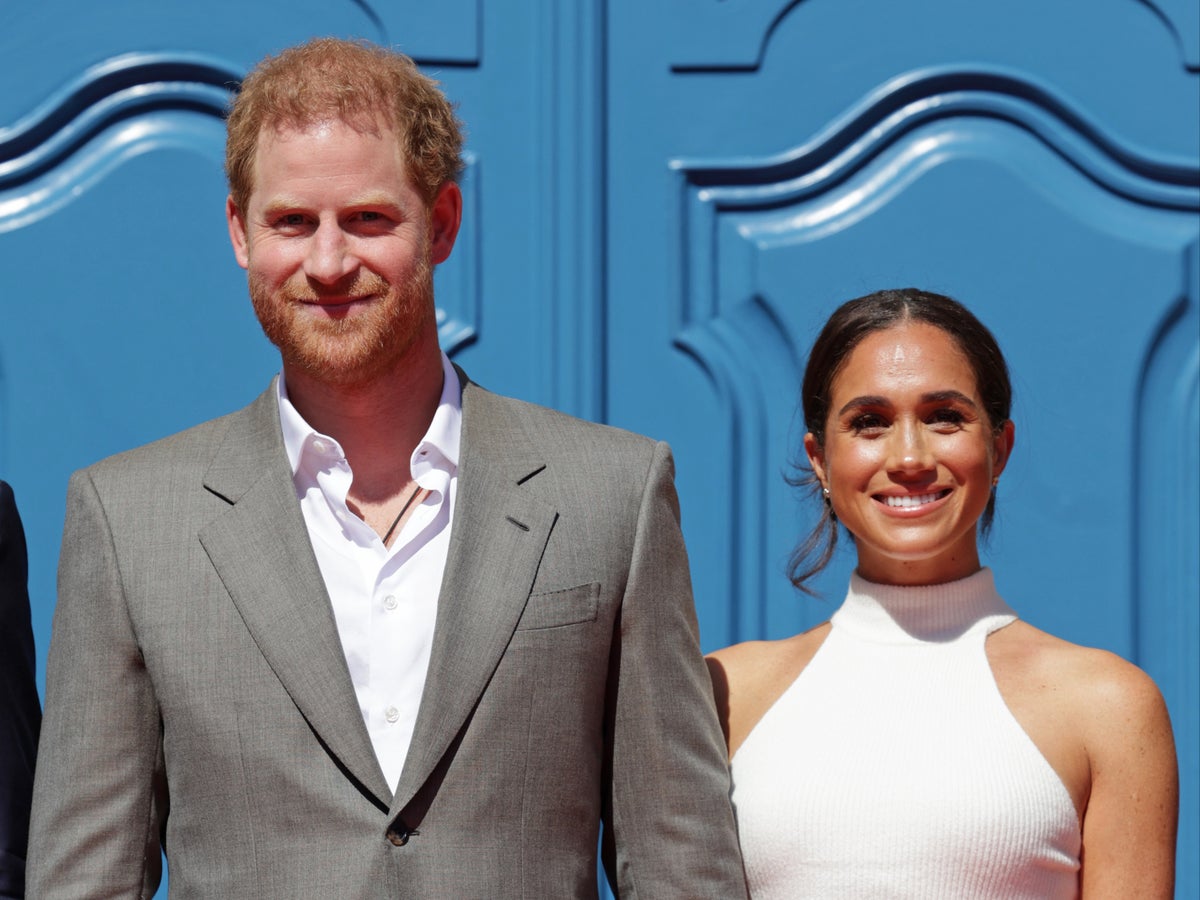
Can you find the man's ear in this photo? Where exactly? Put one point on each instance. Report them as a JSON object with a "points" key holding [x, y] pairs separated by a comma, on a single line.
{"points": [[816, 458], [445, 216], [237, 232]]}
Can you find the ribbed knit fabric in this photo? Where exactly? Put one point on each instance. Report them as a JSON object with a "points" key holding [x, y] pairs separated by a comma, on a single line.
{"points": [[892, 767]]}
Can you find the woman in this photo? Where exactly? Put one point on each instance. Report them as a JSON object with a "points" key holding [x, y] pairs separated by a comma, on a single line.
{"points": [[926, 742]]}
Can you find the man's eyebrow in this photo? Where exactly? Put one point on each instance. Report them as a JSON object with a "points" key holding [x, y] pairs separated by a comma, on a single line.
{"points": [[372, 198], [279, 204], [377, 199]]}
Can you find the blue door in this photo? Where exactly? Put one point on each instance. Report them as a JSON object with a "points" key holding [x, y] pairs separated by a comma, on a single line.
{"points": [[665, 198], [768, 159]]}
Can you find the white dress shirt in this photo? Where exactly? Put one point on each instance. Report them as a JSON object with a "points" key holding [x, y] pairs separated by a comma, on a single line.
{"points": [[384, 598]]}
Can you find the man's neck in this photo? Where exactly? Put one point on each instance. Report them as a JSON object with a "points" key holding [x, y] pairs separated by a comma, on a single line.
{"points": [[378, 423]]}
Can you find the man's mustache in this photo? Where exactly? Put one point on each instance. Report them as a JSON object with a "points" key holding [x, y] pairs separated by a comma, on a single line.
{"points": [[362, 284]]}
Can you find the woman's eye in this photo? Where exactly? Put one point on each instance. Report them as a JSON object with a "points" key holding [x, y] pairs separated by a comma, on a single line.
{"points": [[947, 417], [868, 423]]}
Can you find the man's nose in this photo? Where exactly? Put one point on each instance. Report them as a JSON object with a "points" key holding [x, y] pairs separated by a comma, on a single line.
{"points": [[330, 257]]}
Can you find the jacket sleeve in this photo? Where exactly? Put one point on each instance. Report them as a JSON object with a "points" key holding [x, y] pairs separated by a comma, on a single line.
{"points": [[669, 827], [96, 811], [22, 714]]}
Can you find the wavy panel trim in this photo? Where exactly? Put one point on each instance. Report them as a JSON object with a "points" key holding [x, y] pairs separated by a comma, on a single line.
{"points": [[105, 96], [926, 95], [735, 37], [726, 329], [139, 103]]}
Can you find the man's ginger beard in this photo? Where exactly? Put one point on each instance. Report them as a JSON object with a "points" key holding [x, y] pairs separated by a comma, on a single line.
{"points": [[350, 349]]}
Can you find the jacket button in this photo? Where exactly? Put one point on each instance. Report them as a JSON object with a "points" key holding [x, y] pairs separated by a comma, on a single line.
{"points": [[398, 835]]}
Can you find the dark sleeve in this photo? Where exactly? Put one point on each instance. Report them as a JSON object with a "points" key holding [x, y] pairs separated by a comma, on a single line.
{"points": [[22, 714]]}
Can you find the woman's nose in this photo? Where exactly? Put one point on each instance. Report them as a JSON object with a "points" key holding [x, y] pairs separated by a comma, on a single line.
{"points": [[910, 451]]}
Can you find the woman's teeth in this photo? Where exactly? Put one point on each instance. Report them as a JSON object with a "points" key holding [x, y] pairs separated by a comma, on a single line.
{"points": [[908, 501]]}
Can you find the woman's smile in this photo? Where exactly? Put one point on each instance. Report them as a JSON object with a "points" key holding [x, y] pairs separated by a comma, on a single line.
{"points": [[912, 501]]}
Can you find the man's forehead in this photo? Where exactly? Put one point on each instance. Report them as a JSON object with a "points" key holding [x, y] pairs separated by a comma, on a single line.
{"points": [[322, 130], [290, 149], [367, 122]]}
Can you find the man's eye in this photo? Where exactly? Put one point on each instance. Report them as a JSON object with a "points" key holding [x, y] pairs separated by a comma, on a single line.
{"points": [[292, 220]]}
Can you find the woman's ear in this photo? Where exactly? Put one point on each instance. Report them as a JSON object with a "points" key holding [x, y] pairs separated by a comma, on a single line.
{"points": [[816, 458], [1002, 445]]}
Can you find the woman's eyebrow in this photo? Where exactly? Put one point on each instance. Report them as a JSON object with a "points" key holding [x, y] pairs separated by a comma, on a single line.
{"points": [[948, 395], [872, 400], [866, 400]]}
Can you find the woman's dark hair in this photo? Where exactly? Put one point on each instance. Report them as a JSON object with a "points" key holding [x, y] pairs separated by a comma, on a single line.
{"points": [[850, 323]]}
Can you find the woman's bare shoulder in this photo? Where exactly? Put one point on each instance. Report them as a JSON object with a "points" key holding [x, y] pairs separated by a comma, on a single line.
{"points": [[749, 677], [1114, 709], [1113, 716], [1097, 678]]}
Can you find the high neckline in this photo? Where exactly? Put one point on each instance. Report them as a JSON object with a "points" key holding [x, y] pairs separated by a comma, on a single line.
{"points": [[932, 613]]}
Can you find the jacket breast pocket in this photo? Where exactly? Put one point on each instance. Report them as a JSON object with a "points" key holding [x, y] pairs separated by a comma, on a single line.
{"points": [[555, 609]]}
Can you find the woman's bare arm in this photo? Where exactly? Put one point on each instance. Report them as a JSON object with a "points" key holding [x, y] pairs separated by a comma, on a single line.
{"points": [[1132, 812]]}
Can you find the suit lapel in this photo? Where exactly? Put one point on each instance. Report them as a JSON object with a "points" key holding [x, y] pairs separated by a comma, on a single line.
{"points": [[261, 551], [496, 544]]}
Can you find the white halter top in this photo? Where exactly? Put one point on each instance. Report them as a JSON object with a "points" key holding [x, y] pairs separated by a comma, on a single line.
{"points": [[893, 768]]}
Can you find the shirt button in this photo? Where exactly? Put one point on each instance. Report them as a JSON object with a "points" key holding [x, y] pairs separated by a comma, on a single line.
{"points": [[391, 714], [319, 445], [390, 602]]}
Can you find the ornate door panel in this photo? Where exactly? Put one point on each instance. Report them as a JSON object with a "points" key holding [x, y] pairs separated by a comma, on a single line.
{"points": [[771, 159], [664, 200], [123, 316]]}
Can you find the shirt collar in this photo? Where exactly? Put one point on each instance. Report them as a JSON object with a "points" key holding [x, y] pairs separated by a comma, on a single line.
{"points": [[439, 448]]}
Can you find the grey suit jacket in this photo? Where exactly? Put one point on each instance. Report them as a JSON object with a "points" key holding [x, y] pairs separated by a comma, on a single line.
{"points": [[198, 696]]}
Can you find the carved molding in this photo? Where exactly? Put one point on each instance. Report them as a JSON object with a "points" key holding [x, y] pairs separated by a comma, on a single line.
{"points": [[570, 143], [1182, 19], [140, 103], [733, 211], [725, 36], [728, 36], [1167, 584], [446, 33], [104, 98]]}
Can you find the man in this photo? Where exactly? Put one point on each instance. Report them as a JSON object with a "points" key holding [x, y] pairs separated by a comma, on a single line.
{"points": [[382, 633], [20, 714]]}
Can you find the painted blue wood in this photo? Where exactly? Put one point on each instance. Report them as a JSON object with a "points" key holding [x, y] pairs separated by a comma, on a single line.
{"points": [[665, 198], [1040, 163], [124, 317]]}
